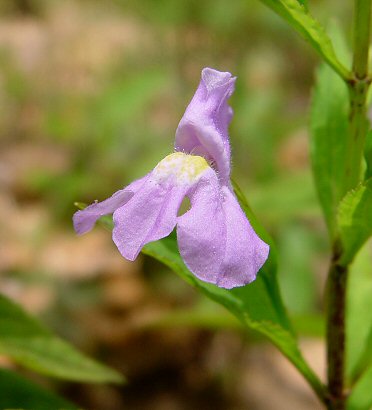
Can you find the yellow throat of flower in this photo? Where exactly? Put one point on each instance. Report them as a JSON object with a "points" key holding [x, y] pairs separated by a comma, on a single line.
{"points": [[185, 168]]}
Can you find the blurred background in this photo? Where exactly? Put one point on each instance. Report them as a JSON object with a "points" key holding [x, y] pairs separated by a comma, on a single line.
{"points": [[91, 93]]}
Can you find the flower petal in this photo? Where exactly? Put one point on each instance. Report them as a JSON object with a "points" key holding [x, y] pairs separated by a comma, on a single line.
{"points": [[245, 252], [150, 215], [85, 219], [203, 130], [215, 238], [201, 231]]}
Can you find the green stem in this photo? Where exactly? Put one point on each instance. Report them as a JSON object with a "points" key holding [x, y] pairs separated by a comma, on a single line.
{"points": [[358, 127], [358, 89], [336, 303], [362, 16]]}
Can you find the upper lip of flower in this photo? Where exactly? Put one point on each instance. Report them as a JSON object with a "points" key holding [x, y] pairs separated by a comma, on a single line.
{"points": [[215, 238], [204, 126]]}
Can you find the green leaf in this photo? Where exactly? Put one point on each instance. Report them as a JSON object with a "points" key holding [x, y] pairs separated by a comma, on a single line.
{"points": [[19, 393], [257, 305], [27, 342], [298, 17], [354, 220], [297, 281], [329, 130], [361, 395], [359, 314], [269, 270]]}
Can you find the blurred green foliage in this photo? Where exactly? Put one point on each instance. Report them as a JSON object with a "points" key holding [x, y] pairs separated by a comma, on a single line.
{"points": [[114, 114], [18, 392]]}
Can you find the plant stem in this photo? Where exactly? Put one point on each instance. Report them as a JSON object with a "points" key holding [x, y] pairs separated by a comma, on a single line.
{"points": [[361, 37], [336, 302], [357, 132], [337, 278], [358, 88]]}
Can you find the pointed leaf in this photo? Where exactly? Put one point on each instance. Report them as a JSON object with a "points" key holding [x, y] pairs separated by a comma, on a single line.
{"points": [[27, 342], [329, 130], [354, 220], [298, 17]]}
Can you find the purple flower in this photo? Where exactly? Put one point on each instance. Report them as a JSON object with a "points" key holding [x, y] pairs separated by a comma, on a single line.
{"points": [[215, 239]]}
